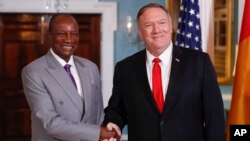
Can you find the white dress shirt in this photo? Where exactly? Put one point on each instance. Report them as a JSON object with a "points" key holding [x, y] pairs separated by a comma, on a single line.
{"points": [[72, 69], [166, 59]]}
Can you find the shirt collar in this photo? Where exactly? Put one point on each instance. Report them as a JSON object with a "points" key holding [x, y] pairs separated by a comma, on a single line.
{"points": [[164, 56], [61, 61]]}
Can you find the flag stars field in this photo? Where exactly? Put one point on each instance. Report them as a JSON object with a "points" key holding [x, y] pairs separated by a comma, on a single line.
{"points": [[190, 23], [189, 33], [191, 12]]}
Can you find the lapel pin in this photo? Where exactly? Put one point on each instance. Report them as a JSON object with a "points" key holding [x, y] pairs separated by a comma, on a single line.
{"points": [[176, 59]]}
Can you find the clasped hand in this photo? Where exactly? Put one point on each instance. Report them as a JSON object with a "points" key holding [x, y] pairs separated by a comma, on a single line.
{"points": [[110, 133]]}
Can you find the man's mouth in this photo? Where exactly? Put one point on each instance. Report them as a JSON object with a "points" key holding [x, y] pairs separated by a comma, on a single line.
{"points": [[157, 36], [67, 47]]}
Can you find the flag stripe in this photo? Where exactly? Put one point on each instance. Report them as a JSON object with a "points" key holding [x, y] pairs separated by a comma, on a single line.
{"points": [[245, 32], [207, 26], [241, 92]]}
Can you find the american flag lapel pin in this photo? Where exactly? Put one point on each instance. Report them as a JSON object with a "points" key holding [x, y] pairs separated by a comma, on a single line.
{"points": [[177, 59]]}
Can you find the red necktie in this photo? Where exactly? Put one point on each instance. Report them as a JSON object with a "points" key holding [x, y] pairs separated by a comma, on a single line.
{"points": [[157, 84]]}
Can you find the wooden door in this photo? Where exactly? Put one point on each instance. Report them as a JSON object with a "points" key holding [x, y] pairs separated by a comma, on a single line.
{"points": [[23, 38]]}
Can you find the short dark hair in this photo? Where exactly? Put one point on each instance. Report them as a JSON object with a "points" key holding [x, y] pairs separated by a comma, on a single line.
{"points": [[150, 5], [54, 17]]}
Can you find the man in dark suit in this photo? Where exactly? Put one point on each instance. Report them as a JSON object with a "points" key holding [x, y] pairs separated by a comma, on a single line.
{"points": [[64, 91], [175, 97]]}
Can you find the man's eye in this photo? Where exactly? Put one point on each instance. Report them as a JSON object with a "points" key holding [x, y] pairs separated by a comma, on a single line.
{"points": [[75, 34], [163, 22], [60, 34], [148, 25]]}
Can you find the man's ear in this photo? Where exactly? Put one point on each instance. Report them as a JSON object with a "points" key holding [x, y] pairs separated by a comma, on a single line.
{"points": [[139, 33], [49, 34], [49, 37]]}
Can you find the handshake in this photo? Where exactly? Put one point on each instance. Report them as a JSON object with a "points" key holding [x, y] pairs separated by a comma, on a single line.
{"points": [[110, 133]]}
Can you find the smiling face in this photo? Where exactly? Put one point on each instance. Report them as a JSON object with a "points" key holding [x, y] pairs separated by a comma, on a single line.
{"points": [[65, 36], [155, 29]]}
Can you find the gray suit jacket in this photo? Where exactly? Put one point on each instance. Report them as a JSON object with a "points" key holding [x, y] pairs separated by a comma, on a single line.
{"points": [[57, 111]]}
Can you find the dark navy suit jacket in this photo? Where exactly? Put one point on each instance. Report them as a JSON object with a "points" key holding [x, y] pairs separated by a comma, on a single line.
{"points": [[193, 109]]}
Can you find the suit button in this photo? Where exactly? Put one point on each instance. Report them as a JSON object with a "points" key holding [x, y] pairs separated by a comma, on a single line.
{"points": [[161, 123], [60, 102]]}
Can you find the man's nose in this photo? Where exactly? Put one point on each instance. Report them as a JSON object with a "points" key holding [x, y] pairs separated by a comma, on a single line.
{"points": [[68, 37], [155, 28]]}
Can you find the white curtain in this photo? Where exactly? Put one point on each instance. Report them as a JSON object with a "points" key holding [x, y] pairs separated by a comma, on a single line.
{"points": [[207, 26]]}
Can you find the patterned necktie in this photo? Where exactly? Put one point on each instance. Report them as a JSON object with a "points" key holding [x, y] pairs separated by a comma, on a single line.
{"points": [[157, 84], [67, 68]]}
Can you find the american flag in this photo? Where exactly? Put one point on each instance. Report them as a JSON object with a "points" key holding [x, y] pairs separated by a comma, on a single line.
{"points": [[189, 30]]}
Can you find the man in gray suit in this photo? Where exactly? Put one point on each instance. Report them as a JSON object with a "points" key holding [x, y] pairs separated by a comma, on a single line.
{"points": [[64, 91]]}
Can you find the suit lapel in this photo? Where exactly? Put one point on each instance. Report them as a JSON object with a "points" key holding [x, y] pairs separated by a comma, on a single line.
{"points": [[175, 83], [60, 75], [85, 81], [140, 65]]}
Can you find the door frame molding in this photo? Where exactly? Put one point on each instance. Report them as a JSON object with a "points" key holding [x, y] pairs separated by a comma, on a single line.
{"points": [[108, 11]]}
